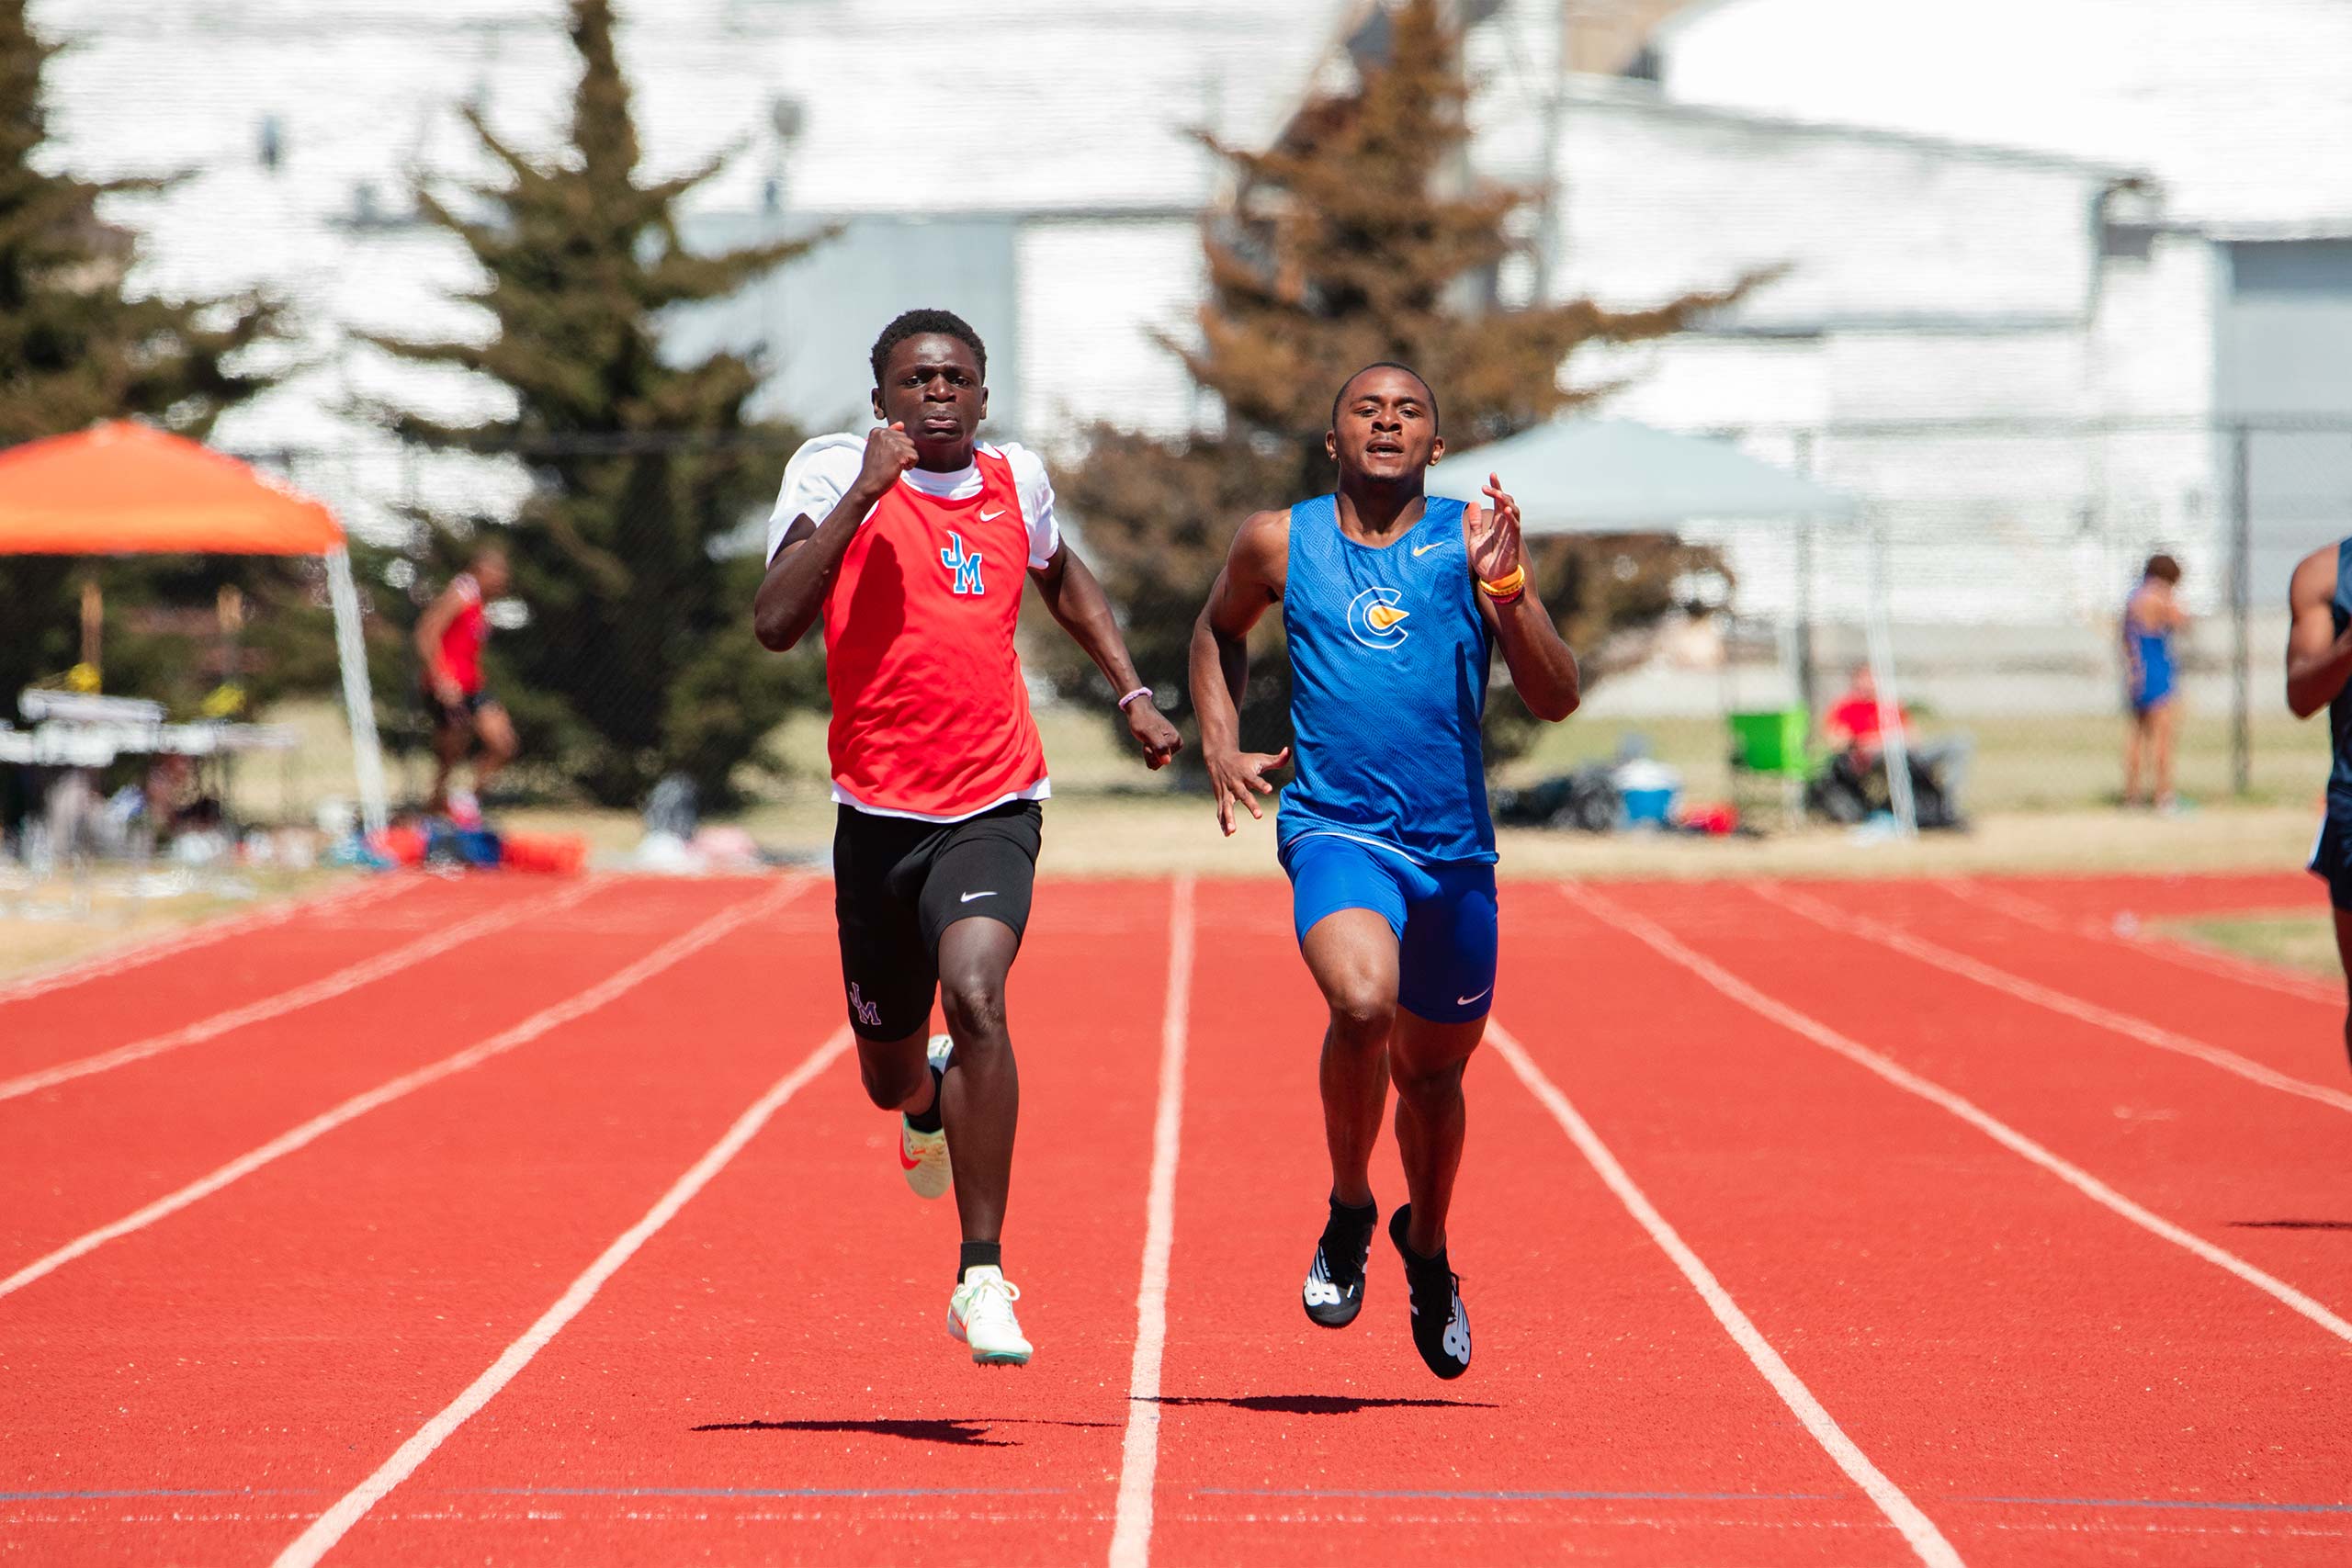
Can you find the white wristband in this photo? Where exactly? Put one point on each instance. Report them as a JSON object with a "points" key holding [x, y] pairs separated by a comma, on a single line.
{"points": [[1131, 697]]}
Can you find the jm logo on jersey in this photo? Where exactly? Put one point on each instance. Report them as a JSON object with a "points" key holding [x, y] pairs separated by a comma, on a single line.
{"points": [[1376, 620], [965, 564]]}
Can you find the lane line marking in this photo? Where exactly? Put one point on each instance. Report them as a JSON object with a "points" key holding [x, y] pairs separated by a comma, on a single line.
{"points": [[1139, 1450], [2041, 996], [138, 954], [2000, 1132], [331, 1526], [576, 1006], [1926, 1540], [325, 989], [2167, 949]]}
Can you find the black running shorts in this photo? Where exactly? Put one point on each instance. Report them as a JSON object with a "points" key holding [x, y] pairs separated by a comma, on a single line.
{"points": [[899, 884]]}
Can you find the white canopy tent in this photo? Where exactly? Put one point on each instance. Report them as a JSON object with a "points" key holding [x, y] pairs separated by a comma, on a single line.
{"points": [[1614, 475]]}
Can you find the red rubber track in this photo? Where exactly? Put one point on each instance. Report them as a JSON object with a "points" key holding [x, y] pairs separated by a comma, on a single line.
{"points": [[767, 1380], [189, 984], [262, 1351], [97, 1147], [2231, 1159], [782, 1346], [1604, 1404], [2179, 897], [2300, 1035], [1984, 1331]]}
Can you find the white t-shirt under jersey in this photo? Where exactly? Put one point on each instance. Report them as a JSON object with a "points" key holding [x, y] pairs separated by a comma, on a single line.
{"points": [[821, 472]]}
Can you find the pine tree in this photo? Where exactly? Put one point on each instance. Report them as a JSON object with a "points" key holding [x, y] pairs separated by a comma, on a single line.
{"points": [[1353, 240], [77, 346], [634, 662]]}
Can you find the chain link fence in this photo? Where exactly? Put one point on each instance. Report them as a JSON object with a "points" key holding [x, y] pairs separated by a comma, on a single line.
{"points": [[2006, 549]]}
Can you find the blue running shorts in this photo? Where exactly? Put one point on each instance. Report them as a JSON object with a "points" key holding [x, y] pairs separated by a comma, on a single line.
{"points": [[2332, 856], [1443, 913]]}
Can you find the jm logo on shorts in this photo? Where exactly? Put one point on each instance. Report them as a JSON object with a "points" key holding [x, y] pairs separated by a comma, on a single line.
{"points": [[965, 565], [867, 1013], [1376, 620]]}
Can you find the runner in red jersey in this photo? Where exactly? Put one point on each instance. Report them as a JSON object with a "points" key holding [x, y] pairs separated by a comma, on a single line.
{"points": [[910, 546], [449, 639]]}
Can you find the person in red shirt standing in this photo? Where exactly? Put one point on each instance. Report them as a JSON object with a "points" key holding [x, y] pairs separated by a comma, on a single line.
{"points": [[450, 641], [909, 545]]}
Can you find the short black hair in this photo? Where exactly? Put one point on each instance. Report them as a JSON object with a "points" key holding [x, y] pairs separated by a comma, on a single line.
{"points": [[917, 323], [1386, 364]]}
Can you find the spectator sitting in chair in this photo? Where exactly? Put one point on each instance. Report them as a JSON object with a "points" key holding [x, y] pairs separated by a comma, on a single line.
{"points": [[1853, 729]]}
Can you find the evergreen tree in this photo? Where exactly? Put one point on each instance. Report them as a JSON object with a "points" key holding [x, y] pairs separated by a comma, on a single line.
{"points": [[636, 661], [76, 346], [1353, 240]]}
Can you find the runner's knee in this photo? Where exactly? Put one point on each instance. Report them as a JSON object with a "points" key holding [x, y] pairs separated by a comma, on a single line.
{"points": [[1363, 1010], [974, 1002]]}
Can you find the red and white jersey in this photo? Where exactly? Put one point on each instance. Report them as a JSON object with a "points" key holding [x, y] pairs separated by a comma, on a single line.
{"points": [[461, 640], [930, 713]]}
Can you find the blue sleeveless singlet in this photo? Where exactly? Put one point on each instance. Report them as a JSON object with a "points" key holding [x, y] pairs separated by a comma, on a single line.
{"points": [[1389, 658], [2339, 712]]}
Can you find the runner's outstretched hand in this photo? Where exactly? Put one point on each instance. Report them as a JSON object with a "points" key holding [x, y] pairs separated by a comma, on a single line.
{"points": [[1151, 731], [889, 453], [1494, 534], [1241, 777]]}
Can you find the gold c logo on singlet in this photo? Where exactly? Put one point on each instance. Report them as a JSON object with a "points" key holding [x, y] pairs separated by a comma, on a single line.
{"points": [[1375, 621]]}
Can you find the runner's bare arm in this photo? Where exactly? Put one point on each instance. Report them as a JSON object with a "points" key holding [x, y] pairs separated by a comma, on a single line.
{"points": [[1252, 579], [431, 627], [2318, 660], [1075, 597], [793, 594], [1543, 668]]}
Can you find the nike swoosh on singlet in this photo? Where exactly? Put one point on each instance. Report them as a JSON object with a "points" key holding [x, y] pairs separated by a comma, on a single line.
{"points": [[991, 516], [1466, 1001], [969, 897], [1433, 543]]}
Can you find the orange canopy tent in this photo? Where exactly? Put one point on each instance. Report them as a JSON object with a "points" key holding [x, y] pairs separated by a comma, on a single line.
{"points": [[124, 489]]}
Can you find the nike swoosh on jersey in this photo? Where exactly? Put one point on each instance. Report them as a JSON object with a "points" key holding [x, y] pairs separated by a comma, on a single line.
{"points": [[1433, 544], [969, 897], [991, 516], [1466, 1001]]}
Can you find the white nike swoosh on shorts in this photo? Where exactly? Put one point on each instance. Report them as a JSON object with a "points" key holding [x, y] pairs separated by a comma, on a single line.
{"points": [[990, 893], [1466, 1001]]}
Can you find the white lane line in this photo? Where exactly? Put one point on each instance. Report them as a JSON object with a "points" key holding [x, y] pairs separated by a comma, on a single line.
{"points": [[138, 954], [1905, 1515], [325, 989], [1139, 1454], [609, 989], [2000, 1132], [331, 1525], [2169, 949], [2042, 996]]}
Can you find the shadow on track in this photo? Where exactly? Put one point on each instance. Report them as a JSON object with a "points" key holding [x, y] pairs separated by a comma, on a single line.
{"points": [[955, 1433], [1322, 1404], [2291, 1225]]}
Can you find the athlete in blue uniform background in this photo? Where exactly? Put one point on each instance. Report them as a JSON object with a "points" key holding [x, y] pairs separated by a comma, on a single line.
{"points": [[1393, 602], [2319, 659], [2152, 618]]}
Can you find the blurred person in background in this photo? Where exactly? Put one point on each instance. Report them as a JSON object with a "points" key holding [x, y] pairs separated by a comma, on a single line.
{"points": [[2151, 617], [1853, 729], [449, 639], [2319, 658]]}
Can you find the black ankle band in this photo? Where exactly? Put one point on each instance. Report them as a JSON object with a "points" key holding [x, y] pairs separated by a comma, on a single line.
{"points": [[979, 1255], [932, 1118]]}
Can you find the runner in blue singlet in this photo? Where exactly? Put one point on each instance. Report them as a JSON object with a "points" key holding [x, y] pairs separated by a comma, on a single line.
{"points": [[2319, 658], [1393, 602], [2151, 617]]}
